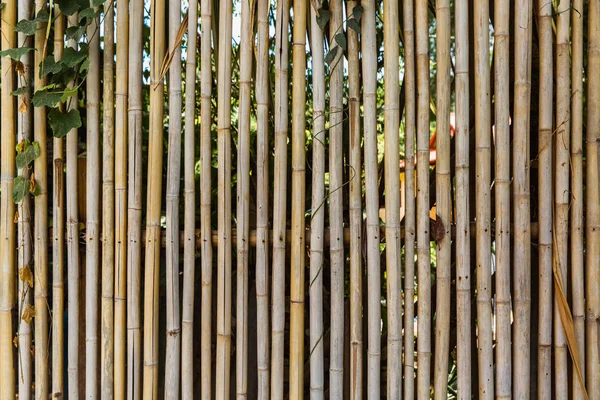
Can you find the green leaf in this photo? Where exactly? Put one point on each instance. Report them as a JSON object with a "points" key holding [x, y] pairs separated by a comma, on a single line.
{"points": [[331, 54], [70, 7], [30, 152], [64, 77], [20, 189], [49, 66], [22, 145], [85, 65], [46, 98], [15, 54], [323, 18], [354, 25], [27, 27], [69, 92], [357, 12], [72, 57], [37, 190], [88, 13], [63, 123], [2, 5], [74, 33], [340, 38], [21, 90]]}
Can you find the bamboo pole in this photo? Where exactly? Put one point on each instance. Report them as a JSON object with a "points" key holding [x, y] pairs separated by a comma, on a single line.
{"points": [[153, 211], [317, 219], [521, 198], [592, 216], [243, 198], [562, 196], [463, 243], [134, 206], [173, 337], [92, 223], [109, 245], [224, 278], [369, 52], [577, 227], [392, 198], [409, 218], [355, 213], [120, 175], [24, 226], [483, 153], [280, 197], [262, 199], [423, 250], [297, 250], [205, 198], [502, 198], [7, 228], [189, 247], [444, 197]]}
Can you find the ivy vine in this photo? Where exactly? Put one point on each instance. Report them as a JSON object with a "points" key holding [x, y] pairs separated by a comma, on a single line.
{"points": [[352, 22]]}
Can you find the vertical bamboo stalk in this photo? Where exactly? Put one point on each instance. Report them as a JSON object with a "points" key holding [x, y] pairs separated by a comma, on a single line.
{"points": [[7, 205], [502, 198], [593, 207], [297, 252], [423, 251], [317, 220], [392, 197], [279, 197], [562, 196], [369, 52], [92, 224], [336, 186], [120, 175], [443, 197], [409, 217], [521, 197], [134, 206], [576, 232], [189, 246], [243, 199], [262, 199], [153, 211], [205, 197], [25, 234], [224, 195], [73, 272], [109, 245], [173, 350], [483, 154], [355, 211]]}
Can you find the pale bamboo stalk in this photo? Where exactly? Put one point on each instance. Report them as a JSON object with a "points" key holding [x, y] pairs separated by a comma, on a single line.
{"points": [[444, 196], [423, 250], [8, 243], [502, 198], [153, 210], [279, 197], [355, 213], [173, 326], [297, 250], [205, 197], [336, 223], [134, 207], [592, 216], [577, 227], [545, 202], [120, 201], [243, 199], [317, 219], [222, 371], [409, 217], [392, 198], [92, 224], [369, 58], [73, 273], [262, 199], [562, 195], [521, 197], [58, 244], [24, 238], [189, 193], [483, 155], [109, 245]]}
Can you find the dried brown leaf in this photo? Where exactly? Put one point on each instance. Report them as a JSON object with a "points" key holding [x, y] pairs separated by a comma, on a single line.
{"points": [[28, 313], [25, 275]]}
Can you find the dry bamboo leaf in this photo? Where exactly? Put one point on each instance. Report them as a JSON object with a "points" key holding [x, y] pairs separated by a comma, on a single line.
{"points": [[16, 218], [32, 350], [28, 313], [166, 64], [23, 106], [16, 341], [438, 229], [20, 68], [26, 275]]}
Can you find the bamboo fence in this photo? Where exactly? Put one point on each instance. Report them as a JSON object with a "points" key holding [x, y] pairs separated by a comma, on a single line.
{"points": [[416, 210]]}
